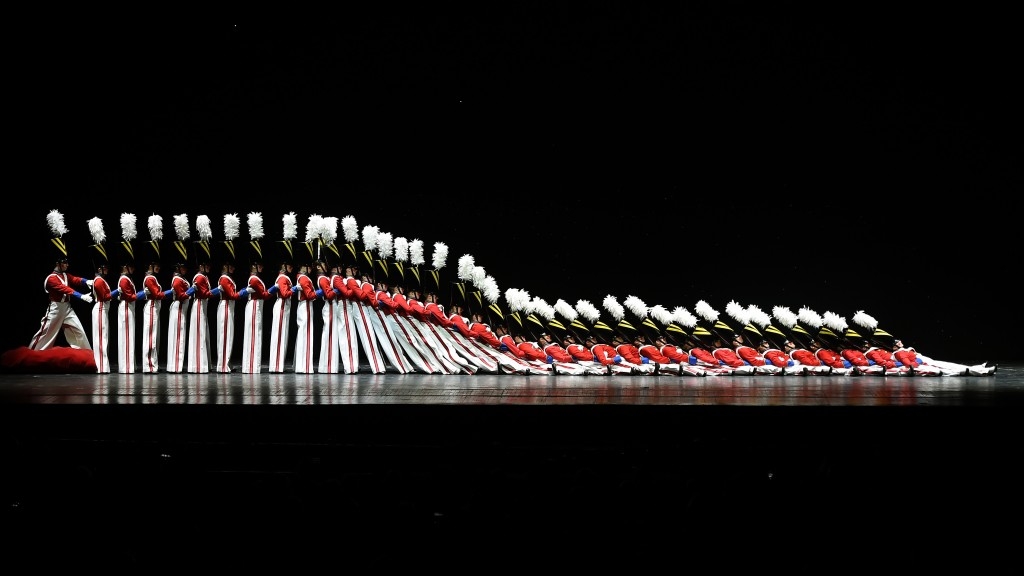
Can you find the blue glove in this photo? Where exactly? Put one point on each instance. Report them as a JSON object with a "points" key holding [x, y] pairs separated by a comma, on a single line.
{"points": [[899, 364], [789, 363], [617, 359], [692, 361], [551, 360], [273, 289], [871, 362], [215, 291], [320, 293], [846, 364], [77, 294], [243, 295], [115, 293], [645, 360], [168, 293], [503, 348], [190, 291]]}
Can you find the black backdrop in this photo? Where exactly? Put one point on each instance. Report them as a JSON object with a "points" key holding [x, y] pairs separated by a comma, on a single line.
{"points": [[766, 155]]}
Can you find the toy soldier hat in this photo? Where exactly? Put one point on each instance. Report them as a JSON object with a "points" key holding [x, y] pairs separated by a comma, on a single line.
{"points": [[255, 251], [98, 248], [59, 249], [286, 251], [126, 253]]}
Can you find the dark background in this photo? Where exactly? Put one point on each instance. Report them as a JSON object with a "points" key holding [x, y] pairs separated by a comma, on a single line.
{"points": [[769, 154]]}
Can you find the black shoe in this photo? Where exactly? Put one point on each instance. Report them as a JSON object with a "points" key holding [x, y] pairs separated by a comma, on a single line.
{"points": [[657, 369]]}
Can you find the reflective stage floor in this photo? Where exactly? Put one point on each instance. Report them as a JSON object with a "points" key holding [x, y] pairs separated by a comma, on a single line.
{"points": [[763, 471]]}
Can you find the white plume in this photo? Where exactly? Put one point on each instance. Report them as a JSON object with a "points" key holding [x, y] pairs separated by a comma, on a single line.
{"points": [[517, 299], [860, 318], [385, 245], [350, 229], [291, 228], [416, 252], [834, 321], [181, 226], [542, 308], [758, 316], [370, 237], [440, 255], [477, 275], [737, 312], [614, 308], [785, 316], [96, 230], [232, 225], [401, 249], [465, 267], [587, 309], [203, 227], [636, 306], [55, 220], [489, 287], [128, 230], [809, 317], [565, 309], [705, 311], [684, 317], [330, 229], [156, 227], [314, 227], [660, 314], [254, 220]]}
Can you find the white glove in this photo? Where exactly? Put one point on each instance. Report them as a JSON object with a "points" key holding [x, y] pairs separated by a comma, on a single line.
{"points": [[88, 283], [87, 298], [146, 290], [248, 290]]}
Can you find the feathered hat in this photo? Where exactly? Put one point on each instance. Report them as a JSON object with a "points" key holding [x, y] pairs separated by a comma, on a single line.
{"points": [[330, 255], [254, 221], [181, 241], [438, 259], [155, 224], [204, 246], [875, 335], [350, 249], [368, 255], [590, 316], [668, 327], [833, 332], [396, 277], [286, 247], [741, 322], [98, 248], [128, 233], [228, 253], [623, 328], [712, 325], [385, 251], [55, 221], [786, 321], [316, 228], [641, 318], [518, 303], [413, 273]]}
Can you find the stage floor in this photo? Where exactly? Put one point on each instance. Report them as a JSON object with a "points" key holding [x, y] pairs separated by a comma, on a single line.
{"points": [[763, 471]]}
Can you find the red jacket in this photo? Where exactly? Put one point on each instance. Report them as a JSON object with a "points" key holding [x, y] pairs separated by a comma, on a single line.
{"points": [[558, 353], [629, 353], [306, 289], [513, 349], [101, 289], [652, 353], [533, 351], [483, 333], [201, 282], [127, 289], [61, 287], [777, 357], [750, 356], [458, 322], [259, 289], [675, 354], [829, 357], [881, 358], [227, 288], [604, 353], [580, 352], [727, 357], [704, 357], [284, 286], [855, 357], [180, 286]]}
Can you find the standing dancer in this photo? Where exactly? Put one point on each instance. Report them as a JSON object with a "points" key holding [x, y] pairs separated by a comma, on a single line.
{"points": [[60, 289], [102, 295], [201, 292], [126, 347], [177, 314], [282, 290], [155, 295], [229, 295], [252, 331]]}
